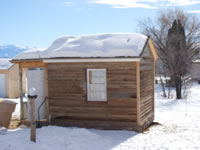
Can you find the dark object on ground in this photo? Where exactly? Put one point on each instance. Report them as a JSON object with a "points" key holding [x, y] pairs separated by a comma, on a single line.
{"points": [[39, 123], [156, 81], [198, 81]]}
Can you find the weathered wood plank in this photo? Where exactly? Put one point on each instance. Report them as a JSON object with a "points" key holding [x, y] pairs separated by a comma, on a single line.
{"points": [[146, 86], [138, 93], [68, 91], [105, 125], [100, 110], [94, 116]]}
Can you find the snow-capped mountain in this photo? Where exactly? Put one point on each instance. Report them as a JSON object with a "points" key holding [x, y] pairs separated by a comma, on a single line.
{"points": [[9, 51]]}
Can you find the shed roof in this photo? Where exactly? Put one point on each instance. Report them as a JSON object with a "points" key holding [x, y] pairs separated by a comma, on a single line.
{"points": [[91, 46], [5, 64], [30, 54]]}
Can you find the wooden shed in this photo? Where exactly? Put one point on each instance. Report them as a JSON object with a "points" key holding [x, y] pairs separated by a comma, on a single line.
{"points": [[101, 81], [9, 79]]}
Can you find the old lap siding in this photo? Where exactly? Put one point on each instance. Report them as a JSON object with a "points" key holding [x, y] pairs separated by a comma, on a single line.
{"points": [[68, 92], [146, 88]]}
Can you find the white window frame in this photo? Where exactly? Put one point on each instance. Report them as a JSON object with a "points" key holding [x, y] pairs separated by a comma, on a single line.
{"points": [[88, 90]]}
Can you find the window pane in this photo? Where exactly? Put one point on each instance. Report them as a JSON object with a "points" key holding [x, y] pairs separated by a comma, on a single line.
{"points": [[98, 80], [97, 85], [99, 73], [100, 87]]}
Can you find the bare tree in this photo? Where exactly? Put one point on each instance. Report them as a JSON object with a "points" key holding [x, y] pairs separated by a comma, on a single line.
{"points": [[176, 35]]}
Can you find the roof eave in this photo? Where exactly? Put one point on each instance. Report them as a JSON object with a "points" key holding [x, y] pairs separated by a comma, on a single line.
{"points": [[152, 48], [64, 60], [24, 60]]}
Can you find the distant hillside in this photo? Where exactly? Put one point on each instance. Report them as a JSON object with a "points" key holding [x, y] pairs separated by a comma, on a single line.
{"points": [[9, 51]]}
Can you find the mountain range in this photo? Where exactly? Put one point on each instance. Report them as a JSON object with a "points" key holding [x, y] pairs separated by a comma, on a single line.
{"points": [[9, 51]]}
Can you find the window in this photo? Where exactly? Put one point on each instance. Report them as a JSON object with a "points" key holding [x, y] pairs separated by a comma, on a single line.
{"points": [[96, 85]]}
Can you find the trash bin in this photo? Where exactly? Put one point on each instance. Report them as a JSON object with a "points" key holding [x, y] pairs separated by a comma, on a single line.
{"points": [[6, 109]]}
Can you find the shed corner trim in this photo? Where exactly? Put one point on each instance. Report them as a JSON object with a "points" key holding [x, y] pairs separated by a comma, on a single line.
{"points": [[152, 49]]}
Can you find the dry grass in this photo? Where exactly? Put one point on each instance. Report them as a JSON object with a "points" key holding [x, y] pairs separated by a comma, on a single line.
{"points": [[14, 123], [151, 125]]}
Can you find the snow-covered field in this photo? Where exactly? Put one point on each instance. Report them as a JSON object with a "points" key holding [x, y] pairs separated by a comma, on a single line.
{"points": [[179, 129]]}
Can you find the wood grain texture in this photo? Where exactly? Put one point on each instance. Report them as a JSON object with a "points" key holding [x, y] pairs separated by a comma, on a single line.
{"points": [[98, 124], [30, 63], [147, 87], [33, 125], [138, 93], [67, 91], [152, 49]]}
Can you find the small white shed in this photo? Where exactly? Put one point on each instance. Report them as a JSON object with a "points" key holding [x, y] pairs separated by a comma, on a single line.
{"points": [[196, 70], [5, 66], [2, 85], [9, 79]]}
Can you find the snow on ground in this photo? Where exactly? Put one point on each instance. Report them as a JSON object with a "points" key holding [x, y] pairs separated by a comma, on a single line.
{"points": [[179, 129]]}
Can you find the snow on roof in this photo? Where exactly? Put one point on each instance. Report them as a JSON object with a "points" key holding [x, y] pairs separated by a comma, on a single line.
{"points": [[5, 64], [196, 61], [30, 54], [97, 45]]}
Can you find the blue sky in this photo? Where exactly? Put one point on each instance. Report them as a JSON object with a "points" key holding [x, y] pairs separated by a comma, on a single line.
{"points": [[37, 23]]}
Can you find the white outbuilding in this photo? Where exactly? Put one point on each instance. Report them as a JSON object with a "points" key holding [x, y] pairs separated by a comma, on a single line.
{"points": [[9, 79]]}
